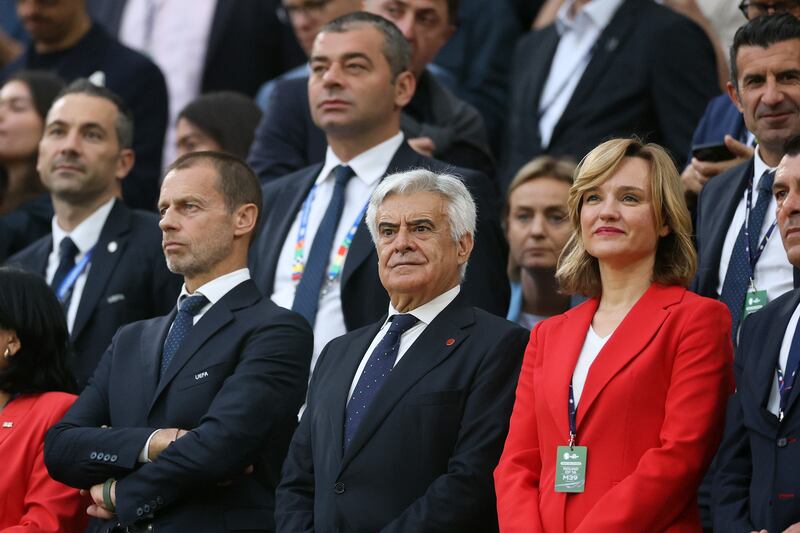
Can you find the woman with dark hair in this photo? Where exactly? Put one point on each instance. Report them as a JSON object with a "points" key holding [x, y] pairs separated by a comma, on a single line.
{"points": [[35, 387], [621, 400], [223, 121], [25, 209]]}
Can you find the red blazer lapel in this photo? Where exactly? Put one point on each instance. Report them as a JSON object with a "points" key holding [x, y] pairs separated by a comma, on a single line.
{"points": [[633, 335]]}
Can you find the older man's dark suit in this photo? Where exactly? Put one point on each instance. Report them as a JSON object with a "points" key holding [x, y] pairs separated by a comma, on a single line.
{"points": [[423, 456], [757, 484], [364, 300], [236, 383], [651, 73], [128, 280], [715, 209]]}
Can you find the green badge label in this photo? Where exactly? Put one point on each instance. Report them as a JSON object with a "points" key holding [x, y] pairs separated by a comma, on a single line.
{"points": [[753, 301], [571, 469]]}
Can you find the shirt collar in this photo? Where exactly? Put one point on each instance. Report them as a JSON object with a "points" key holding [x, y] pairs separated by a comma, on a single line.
{"points": [[369, 166], [87, 233], [759, 167], [428, 311], [596, 12], [215, 289]]}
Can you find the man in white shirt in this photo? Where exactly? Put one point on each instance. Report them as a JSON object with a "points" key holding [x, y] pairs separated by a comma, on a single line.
{"points": [[186, 422], [406, 418], [102, 259], [359, 84]]}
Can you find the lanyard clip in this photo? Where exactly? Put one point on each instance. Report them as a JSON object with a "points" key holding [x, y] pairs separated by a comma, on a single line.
{"points": [[780, 415], [571, 440]]}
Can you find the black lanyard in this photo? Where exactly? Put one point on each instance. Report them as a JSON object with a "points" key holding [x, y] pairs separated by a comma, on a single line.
{"points": [[573, 409]]}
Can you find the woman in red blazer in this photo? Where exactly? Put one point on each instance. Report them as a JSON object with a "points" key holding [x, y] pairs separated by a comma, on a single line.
{"points": [[647, 364], [34, 349]]}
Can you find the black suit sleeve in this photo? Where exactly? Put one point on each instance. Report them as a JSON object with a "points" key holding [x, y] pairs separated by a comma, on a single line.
{"points": [[731, 489], [467, 489]]}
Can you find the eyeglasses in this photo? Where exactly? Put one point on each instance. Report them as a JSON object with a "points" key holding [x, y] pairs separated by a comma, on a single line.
{"points": [[309, 8], [752, 10]]}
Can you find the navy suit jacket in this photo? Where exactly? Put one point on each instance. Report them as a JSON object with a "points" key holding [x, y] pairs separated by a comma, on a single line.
{"points": [[716, 206], [422, 458], [128, 280], [651, 73], [364, 299], [247, 46], [757, 484], [236, 382], [720, 118]]}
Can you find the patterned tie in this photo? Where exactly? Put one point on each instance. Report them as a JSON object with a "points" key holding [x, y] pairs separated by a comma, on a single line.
{"points": [[181, 326], [378, 367], [737, 278], [66, 257], [306, 297]]}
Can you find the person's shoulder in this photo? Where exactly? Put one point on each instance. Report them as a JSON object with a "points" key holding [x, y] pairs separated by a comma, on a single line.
{"points": [[31, 252], [290, 90], [723, 182], [495, 325], [55, 400]]}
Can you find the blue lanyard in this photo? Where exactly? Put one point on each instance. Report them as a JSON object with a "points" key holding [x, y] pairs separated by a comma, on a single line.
{"points": [[573, 410], [753, 258], [65, 288]]}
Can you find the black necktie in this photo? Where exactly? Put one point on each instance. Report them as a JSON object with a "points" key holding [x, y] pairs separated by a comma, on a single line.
{"points": [[181, 326], [737, 278], [66, 262], [378, 367], [306, 297]]}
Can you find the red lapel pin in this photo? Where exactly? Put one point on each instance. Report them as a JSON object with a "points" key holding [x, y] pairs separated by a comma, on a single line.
{"points": [[450, 342]]}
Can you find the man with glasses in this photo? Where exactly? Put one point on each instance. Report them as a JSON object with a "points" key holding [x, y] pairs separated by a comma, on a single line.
{"points": [[722, 122]]}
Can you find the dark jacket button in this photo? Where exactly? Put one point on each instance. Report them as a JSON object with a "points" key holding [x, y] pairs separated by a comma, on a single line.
{"points": [[113, 458], [139, 512], [338, 488], [93, 455], [782, 442]]}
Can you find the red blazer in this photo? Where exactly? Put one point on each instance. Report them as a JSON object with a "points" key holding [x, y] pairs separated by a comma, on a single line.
{"points": [[651, 414], [30, 500]]}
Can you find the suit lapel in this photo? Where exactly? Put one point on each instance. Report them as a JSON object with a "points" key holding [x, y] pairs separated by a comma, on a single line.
{"points": [[632, 335], [284, 210], [152, 345], [764, 365], [567, 342], [106, 255], [724, 210], [427, 352], [537, 73], [217, 317], [604, 52]]}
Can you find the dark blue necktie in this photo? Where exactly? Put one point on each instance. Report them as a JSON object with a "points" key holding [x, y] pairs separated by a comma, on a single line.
{"points": [[306, 297], [737, 278], [66, 262], [181, 326], [378, 367]]}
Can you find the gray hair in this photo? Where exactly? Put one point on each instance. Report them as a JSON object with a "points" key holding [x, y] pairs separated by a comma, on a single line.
{"points": [[461, 209]]}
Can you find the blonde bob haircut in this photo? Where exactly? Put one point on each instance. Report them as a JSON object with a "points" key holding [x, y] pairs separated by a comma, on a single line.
{"points": [[675, 261]]}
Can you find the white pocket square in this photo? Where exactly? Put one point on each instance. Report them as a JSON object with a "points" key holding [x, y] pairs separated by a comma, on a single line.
{"points": [[115, 298]]}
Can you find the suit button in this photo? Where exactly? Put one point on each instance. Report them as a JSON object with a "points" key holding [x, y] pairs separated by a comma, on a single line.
{"points": [[93, 455], [107, 457], [139, 511], [146, 508], [160, 500], [782, 442], [113, 458], [338, 488], [153, 504]]}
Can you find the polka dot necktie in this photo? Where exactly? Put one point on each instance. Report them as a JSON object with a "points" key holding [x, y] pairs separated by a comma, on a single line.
{"points": [[737, 278], [378, 367], [181, 326]]}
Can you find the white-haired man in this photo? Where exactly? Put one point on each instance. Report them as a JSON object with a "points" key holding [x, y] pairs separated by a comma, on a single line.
{"points": [[406, 418]]}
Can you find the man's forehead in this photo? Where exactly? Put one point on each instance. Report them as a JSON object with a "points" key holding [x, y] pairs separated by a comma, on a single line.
{"points": [[412, 206], [753, 56], [83, 108], [788, 169], [358, 39]]}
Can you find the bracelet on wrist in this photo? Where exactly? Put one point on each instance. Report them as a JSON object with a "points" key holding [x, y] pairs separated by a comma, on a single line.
{"points": [[108, 503]]}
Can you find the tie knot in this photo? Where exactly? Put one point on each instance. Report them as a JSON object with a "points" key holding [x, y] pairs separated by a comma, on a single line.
{"points": [[192, 304], [342, 175], [67, 248], [402, 323], [766, 181]]}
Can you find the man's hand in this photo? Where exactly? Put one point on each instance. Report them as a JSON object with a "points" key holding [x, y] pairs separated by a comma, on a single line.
{"points": [[794, 528], [697, 173], [162, 439], [98, 508], [423, 145]]}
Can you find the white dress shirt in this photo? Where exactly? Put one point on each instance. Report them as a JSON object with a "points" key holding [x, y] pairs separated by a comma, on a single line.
{"points": [[85, 236], [425, 313], [174, 34], [214, 290], [369, 167], [591, 348], [578, 37], [774, 402], [773, 272]]}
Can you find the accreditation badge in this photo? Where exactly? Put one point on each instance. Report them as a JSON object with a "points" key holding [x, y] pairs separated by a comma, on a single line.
{"points": [[571, 469], [753, 301]]}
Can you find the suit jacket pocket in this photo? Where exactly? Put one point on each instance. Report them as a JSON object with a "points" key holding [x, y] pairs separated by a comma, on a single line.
{"points": [[437, 398], [210, 374]]}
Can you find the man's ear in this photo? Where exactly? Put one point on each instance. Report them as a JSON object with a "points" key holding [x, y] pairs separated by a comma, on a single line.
{"points": [[125, 162], [245, 218], [733, 94], [404, 86]]}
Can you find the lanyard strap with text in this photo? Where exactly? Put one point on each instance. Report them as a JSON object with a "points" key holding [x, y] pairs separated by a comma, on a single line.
{"points": [[754, 257], [299, 248], [785, 385], [573, 409], [69, 280]]}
